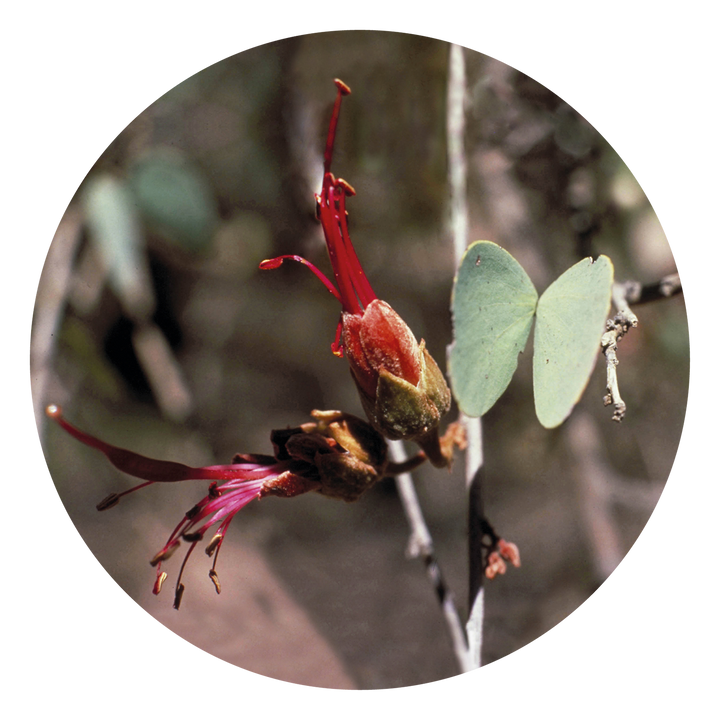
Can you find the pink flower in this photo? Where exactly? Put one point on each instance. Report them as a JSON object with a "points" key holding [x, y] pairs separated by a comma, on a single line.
{"points": [[336, 455], [402, 390]]}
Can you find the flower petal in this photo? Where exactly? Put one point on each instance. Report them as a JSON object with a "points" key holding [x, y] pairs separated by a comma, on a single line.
{"points": [[153, 470]]}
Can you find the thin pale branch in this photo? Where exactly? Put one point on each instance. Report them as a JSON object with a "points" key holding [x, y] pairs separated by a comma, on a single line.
{"points": [[457, 166], [421, 545]]}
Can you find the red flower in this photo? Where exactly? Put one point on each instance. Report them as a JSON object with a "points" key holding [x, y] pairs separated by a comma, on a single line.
{"points": [[401, 387], [337, 455]]}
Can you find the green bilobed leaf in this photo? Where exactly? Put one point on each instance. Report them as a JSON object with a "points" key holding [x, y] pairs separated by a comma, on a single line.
{"points": [[571, 317], [493, 306]]}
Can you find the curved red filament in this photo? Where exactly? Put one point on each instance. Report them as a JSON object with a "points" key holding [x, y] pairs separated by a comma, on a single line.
{"points": [[353, 288]]}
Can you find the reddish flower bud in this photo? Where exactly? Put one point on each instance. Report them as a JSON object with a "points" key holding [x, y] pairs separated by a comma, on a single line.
{"points": [[379, 339], [509, 551], [500, 551], [401, 387]]}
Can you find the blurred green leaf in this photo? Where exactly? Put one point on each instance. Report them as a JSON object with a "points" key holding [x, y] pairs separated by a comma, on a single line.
{"points": [[571, 316], [114, 226], [493, 306], [175, 199]]}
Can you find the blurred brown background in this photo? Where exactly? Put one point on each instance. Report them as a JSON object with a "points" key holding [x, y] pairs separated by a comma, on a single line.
{"points": [[155, 331]]}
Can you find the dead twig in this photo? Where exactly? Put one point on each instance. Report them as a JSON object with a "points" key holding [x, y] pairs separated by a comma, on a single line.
{"points": [[619, 325]]}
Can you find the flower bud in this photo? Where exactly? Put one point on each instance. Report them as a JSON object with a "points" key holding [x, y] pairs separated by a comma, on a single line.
{"points": [[401, 387]]}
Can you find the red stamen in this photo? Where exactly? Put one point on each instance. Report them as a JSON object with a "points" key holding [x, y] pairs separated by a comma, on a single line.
{"points": [[114, 498], [337, 346], [278, 261], [343, 89], [360, 282], [353, 288], [337, 245]]}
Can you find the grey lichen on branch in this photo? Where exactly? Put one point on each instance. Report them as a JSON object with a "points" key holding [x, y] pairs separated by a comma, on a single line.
{"points": [[618, 326]]}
